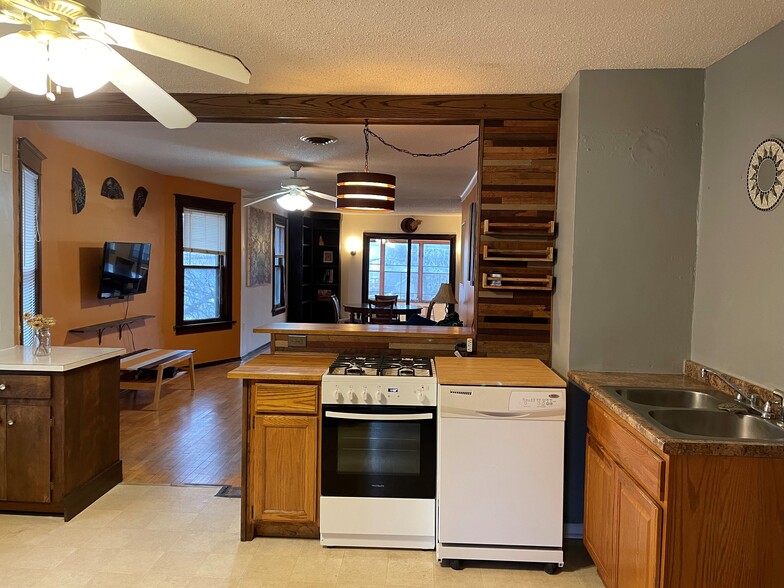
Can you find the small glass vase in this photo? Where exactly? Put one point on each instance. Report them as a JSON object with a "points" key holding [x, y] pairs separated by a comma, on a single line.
{"points": [[42, 342]]}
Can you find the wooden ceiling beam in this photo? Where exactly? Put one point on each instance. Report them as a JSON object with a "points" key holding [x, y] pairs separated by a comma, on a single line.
{"points": [[277, 108]]}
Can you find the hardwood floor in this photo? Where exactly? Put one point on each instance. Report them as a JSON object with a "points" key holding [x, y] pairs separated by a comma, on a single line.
{"points": [[194, 438]]}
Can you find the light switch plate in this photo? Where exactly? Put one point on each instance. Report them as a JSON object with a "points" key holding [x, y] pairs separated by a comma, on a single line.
{"points": [[6, 163], [298, 340]]}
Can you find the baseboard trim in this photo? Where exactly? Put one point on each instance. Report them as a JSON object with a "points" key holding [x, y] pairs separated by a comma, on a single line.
{"points": [[573, 530], [83, 496], [255, 352], [245, 357]]}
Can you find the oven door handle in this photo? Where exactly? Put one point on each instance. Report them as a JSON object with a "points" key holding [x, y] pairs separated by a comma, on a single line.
{"points": [[352, 416]]}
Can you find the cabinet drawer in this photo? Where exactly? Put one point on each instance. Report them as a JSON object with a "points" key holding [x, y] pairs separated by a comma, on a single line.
{"points": [[286, 398], [647, 468], [16, 386]]}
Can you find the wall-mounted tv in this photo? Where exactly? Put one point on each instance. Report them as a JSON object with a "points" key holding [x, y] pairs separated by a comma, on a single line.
{"points": [[124, 269]]}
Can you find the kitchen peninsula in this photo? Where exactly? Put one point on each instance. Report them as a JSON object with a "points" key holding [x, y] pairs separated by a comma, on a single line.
{"points": [[59, 428], [364, 339]]}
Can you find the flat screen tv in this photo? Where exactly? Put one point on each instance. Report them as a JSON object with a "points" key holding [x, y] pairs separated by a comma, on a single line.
{"points": [[124, 269]]}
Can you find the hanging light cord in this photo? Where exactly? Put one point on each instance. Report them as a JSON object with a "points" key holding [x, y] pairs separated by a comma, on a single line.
{"points": [[369, 133]]}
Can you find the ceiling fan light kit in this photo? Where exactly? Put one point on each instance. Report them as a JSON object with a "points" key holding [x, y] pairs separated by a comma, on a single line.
{"points": [[294, 193], [68, 45]]}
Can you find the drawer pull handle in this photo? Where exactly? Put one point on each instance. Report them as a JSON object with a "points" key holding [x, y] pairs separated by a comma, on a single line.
{"points": [[2, 387], [11, 422]]}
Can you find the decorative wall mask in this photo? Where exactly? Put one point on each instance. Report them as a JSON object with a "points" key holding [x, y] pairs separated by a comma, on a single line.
{"points": [[409, 225], [139, 200], [765, 177], [78, 191], [111, 189]]}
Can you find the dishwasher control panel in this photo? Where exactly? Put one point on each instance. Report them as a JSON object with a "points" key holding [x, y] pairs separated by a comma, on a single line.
{"points": [[502, 402]]}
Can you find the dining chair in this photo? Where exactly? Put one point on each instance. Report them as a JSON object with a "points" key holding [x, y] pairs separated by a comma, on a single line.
{"points": [[336, 310], [381, 312], [392, 297]]}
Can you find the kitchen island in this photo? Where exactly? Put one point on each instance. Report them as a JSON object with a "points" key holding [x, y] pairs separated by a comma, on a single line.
{"points": [[59, 428], [350, 338], [280, 444], [663, 509]]}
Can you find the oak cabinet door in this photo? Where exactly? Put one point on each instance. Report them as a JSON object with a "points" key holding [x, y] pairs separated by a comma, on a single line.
{"points": [[599, 532], [284, 460], [639, 535], [28, 451]]}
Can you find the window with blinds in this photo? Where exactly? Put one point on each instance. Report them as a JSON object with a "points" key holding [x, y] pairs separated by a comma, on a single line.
{"points": [[30, 165], [203, 264], [29, 299], [280, 225]]}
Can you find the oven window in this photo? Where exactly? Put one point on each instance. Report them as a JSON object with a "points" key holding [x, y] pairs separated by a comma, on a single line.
{"points": [[379, 448]]}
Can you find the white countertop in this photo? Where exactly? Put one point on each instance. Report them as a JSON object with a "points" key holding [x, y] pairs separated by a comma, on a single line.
{"points": [[62, 359]]}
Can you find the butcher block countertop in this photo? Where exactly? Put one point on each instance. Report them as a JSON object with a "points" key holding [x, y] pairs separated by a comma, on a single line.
{"points": [[489, 371], [425, 332], [285, 366]]}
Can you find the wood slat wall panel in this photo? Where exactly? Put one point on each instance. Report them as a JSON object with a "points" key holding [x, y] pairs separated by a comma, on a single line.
{"points": [[518, 179]]}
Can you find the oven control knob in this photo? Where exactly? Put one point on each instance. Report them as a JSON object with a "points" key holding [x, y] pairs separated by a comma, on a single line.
{"points": [[379, 396], [420, 395], [366, 395], [352, 396], [338, 396]]}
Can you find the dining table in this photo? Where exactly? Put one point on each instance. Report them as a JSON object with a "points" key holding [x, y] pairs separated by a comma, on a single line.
{"points": [[359, 312]]}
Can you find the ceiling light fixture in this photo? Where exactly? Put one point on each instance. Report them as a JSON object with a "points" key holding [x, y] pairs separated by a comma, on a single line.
{"points": [[375, 192], [366, 191]]}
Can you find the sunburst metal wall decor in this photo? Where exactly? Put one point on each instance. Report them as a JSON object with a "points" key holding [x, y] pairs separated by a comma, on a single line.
{"points": [[765, 178]]}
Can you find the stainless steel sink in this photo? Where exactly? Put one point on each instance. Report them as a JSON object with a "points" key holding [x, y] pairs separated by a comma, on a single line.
{"points": [[709, 423], [673, 398]]}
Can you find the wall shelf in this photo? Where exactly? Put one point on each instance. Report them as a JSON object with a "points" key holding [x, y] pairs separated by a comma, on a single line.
{"points": [[541, 284], [119, 324], [541, 255], [518, 229]]}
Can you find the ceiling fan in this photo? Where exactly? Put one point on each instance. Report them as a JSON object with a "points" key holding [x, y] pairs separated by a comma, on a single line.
{"points": [[294, 193], [68, 45]]}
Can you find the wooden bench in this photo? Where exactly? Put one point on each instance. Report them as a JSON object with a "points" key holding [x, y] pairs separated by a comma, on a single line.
{"points": [[155, 360]]}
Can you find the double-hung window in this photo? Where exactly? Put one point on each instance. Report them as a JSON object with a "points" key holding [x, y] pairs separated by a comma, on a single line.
{"points": [[280, 225], [30, 160], [204, 238]]}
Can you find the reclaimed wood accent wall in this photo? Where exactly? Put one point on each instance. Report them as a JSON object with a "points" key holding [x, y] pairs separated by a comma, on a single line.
{"points": [[517, 231]]}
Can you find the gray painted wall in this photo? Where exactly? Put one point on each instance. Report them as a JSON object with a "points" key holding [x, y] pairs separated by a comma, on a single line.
{"points": [[739, 296], [7, 241], [635, 219], [567, 189]]}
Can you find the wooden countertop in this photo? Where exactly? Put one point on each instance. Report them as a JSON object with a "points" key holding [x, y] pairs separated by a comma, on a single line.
{"points": [[343, 329], [285, 366], [491, 371]]}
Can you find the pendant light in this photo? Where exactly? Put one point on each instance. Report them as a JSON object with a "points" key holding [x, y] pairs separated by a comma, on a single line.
{"points": [[366, 191]]}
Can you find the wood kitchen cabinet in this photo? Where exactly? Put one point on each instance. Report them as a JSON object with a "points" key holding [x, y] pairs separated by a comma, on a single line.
{"points": [[678, 520], [59, 434], [282, 468]]}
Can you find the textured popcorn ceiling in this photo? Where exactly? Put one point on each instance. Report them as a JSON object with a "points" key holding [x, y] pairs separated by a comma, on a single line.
{"points": [[440, 46], [395, 47], [255, 157]]}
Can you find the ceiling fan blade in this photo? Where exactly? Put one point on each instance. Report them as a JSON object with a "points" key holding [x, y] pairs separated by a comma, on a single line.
{"points": [[263, 198], [321, 195], [214, 62], [5, 87], [149, 95]]}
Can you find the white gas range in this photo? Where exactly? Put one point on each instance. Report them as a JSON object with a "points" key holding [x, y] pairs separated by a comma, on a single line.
{"points": [[378, 465]]}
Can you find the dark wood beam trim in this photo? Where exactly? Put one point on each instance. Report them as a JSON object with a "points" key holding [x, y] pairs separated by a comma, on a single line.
{"points": [[275, 108]]}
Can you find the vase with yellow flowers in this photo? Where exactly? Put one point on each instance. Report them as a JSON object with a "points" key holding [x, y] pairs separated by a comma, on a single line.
{"points": [[42, 336]]}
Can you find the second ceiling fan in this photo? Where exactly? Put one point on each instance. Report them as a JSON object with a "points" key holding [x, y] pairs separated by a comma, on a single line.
{"points": [[293, 194]]}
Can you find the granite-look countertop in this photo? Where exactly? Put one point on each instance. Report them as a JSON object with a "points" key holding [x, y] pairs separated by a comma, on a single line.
{"points": [[593, 383]]}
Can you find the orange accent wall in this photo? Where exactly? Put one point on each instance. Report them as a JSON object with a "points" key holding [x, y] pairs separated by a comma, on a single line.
{"points": [[72, 249]]}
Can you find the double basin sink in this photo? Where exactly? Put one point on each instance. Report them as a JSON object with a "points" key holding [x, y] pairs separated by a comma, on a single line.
{"points": [[698, 414]]}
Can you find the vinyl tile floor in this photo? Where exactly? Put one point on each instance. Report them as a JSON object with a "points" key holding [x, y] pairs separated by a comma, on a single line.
{"points": [[140, 535]]}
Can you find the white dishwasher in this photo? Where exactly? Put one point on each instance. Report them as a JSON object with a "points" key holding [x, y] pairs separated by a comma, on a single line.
{"points": [[501, 472]]}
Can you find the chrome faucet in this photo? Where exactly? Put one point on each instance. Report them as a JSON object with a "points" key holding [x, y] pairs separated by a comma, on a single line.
{"points": [[780, 395], [739, 395]]}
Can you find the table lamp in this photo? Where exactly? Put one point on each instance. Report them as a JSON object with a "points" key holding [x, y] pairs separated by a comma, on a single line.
{"points": [[445, 296]]}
